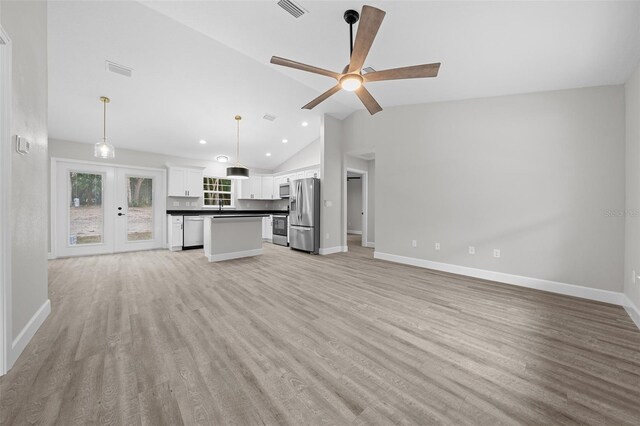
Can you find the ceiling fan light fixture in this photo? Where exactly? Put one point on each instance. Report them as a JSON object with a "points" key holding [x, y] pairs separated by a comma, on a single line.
{"points": [[351, 82]]}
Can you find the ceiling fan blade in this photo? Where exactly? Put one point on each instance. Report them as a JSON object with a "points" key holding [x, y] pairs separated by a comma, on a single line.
{"points": [[416, 71], [368, 100], [322, 97], [370, 21], [304, 67]]}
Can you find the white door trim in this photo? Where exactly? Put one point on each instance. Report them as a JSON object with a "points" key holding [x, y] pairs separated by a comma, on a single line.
{"points": [[365, 204], [162, 199], [6, 337]]}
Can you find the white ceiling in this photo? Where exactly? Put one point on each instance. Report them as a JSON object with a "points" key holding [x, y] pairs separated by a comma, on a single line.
{"points": [[198, 63]]}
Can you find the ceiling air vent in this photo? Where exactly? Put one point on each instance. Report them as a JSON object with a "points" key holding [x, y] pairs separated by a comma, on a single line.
{"points": [[367, 70], [294, 9], [269, 117], [118, 69]]}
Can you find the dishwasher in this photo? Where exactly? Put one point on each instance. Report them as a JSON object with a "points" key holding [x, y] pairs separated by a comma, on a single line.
{"points": [[193, 232]]}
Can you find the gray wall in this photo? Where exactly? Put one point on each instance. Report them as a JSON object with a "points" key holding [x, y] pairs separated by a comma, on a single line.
{"points": [[632, 230], [534, 175], [333, 186], [306, 157], [26, 24], [354, 205]]}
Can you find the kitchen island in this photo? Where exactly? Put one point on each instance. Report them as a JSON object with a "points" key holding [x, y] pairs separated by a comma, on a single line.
{"points": [[232, 236]]}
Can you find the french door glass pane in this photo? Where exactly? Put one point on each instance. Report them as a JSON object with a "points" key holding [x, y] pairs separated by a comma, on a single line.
{"points": [[140, 208], [86, 213]]}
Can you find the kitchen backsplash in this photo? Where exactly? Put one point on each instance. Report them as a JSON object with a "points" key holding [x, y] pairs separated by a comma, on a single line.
{"points": [[180, 203]]}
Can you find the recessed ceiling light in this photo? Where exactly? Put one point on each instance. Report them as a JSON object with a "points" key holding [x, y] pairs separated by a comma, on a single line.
{"points": [[202, 142], [284, 141], [305, 124], [268, 154], [222, 158]]}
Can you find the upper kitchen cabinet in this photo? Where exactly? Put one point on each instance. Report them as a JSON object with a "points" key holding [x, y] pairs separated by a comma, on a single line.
{"points": [[251, 189], [185, 182], [267, 188]]}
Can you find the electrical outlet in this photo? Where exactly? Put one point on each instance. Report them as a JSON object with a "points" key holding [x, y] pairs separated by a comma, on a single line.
{"points": [[436, 246], [496, 252], [414, 243], [472, 250], [326, 236], [176, 204]]}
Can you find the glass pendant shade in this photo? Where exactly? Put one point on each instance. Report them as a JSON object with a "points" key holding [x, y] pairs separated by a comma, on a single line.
{"points": [[238, 171], [104, 150]]}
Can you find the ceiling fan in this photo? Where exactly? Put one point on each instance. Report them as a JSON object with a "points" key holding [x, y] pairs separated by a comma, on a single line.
{"points": [[351, 78]]}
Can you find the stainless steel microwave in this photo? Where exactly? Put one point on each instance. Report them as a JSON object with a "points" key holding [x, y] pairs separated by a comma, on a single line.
{"points": [[285, 189]]}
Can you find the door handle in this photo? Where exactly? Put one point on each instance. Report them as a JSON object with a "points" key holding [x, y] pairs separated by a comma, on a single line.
{"points": [[120, 214]]}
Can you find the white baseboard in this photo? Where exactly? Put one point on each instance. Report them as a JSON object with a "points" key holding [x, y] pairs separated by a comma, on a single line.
{"points": [[234, 255], [332, 250], [370, 244], [27, 333], [349, 231], [50, 256], [539, 284], [632, 310]]}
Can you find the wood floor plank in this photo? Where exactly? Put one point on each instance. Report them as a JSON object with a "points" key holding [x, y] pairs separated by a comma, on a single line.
{"points": [[155, 337]]}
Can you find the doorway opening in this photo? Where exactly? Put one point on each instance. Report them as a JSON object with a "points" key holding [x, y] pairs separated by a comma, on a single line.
{"points": [[356, 217]]}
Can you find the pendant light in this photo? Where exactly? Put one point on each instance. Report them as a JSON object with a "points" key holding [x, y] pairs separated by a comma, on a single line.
{"points": [[238, 171], [103, 149]]}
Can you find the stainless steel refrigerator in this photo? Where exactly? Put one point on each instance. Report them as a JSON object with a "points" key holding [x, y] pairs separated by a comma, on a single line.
{"points": [[304, 215]]}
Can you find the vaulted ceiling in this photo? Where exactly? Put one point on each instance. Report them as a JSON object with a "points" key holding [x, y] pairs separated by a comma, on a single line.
{"points": [[197, 64]]}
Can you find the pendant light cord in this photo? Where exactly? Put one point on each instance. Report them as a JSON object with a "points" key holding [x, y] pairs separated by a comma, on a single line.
{"points": [[104, 121], [238, 118]]}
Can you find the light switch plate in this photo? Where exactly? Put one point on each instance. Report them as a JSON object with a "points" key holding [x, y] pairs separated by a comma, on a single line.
{"points": [[22, 145]]}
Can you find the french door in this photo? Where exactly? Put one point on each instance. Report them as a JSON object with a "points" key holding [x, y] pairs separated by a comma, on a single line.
{"points": [[106, 209]]}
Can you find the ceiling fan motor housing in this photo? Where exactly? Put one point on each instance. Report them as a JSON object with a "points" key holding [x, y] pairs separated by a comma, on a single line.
{"points": [[351, 16]]}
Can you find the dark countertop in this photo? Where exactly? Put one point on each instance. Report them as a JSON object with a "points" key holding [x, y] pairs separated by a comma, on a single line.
{"points": [[236, 216], [217, 212]]}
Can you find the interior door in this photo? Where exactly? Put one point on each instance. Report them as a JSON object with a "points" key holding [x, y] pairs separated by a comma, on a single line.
{"points": [[138, 211], [84, 209]]}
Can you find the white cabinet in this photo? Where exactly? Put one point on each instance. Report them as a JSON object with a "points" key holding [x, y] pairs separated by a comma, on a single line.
{"points": [[251, 188], [267, 188], [267, 228], [257, 188], [175, 224], [195, 183], [185, 182]]}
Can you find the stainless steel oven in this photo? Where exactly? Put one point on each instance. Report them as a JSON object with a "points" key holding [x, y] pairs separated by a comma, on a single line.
{"points": [[280, 230]]}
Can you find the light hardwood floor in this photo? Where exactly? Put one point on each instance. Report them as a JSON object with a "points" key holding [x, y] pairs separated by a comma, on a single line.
{"points": [[288, 338]]}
